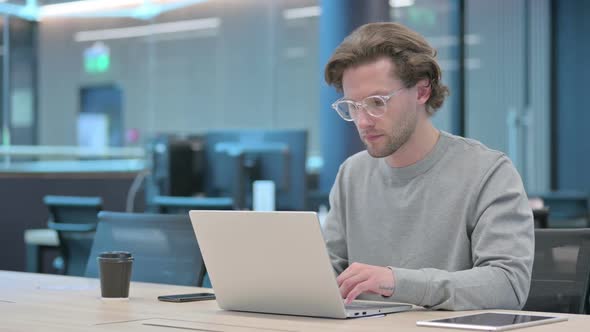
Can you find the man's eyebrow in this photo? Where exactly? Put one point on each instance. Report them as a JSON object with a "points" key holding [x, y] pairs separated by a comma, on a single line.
{"points": [[374, 93]]}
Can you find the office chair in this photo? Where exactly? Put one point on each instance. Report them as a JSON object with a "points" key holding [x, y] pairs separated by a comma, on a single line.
{"points": [[568, 209], [181, 205], [74, 219], [561, 271], [164, 247], [541, 217]]}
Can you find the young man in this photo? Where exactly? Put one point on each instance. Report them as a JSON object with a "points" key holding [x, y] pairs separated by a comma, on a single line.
{"points": [[421, 216]]}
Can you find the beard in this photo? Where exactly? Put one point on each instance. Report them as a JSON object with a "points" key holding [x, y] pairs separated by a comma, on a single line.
{"points": [[396, 138]]}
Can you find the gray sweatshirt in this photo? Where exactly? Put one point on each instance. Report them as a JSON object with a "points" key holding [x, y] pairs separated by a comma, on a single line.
{"points": [[455, 226]]}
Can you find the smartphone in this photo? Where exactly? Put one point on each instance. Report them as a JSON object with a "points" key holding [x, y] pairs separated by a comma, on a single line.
{"points": [[187, 297]]}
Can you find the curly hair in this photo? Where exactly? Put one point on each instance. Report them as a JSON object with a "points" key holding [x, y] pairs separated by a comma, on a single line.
{"points": [[413, 57]]}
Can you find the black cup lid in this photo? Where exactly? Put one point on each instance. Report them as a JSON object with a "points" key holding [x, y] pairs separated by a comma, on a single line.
{"points": [[115, 255]]}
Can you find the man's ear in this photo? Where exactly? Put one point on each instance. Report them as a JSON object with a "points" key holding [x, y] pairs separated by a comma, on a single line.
{"points": [[424, 89]]}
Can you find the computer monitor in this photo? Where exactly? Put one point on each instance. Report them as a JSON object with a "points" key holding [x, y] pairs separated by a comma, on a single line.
{"points": [[176, 164], [236, 158]]}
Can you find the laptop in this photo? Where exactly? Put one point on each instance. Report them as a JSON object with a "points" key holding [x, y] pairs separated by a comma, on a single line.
{"points": [[274, 262]]}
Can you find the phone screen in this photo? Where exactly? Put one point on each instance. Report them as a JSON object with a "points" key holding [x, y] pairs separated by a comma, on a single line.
{"points": [[187, 297]]}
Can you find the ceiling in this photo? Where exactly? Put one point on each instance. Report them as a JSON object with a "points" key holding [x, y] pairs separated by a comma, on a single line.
{"points": [[37, 10]]}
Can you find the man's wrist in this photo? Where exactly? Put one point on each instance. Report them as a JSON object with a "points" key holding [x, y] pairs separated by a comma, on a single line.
{"points": [[392, 287]]}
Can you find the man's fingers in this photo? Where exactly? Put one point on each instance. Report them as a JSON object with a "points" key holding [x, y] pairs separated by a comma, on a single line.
{"points": [[356, 291], [349, 272], [361, 278], [348, 284]]}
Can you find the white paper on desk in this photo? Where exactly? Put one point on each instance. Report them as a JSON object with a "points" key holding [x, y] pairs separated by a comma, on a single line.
{"points": [[197, 325], [62, 287]]}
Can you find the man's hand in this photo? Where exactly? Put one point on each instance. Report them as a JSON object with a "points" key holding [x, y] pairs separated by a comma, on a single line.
{"points": [[362, 278]]}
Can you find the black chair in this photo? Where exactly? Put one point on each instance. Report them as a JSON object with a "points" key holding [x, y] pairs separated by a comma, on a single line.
{"points": [[561, 272], [567, 209], [181, 204], [541, 217], [164, 247], [74, 219]]}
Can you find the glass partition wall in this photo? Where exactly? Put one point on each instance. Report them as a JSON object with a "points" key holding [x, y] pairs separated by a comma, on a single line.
{"points": [[211, 65], [118, 77]]}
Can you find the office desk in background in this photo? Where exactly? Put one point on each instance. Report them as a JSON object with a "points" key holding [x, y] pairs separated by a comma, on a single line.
{"points": [[41, 302], [23, 185]]}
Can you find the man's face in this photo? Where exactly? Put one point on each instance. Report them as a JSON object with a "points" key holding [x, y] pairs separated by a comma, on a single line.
{"points": [[384, 135]]}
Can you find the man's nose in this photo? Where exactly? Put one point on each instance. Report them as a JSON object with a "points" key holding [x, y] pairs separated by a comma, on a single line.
{"points": [[363, 119]]}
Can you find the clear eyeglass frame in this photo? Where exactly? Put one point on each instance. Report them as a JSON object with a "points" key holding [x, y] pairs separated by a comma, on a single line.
{"points": [[375, 106]]}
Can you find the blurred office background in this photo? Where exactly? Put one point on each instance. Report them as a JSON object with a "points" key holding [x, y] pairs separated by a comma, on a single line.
{"points": [[132, 101]]}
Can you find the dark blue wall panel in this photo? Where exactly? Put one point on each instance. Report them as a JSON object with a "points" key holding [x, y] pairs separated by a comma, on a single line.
{"points": [[338, 138], [573, 115]]}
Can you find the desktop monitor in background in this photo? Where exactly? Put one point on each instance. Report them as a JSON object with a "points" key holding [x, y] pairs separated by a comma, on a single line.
{"points": [[177, 165], [237, 158]]}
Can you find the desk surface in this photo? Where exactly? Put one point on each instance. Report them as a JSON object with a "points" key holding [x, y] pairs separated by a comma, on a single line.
{"points": [[40, 302]]}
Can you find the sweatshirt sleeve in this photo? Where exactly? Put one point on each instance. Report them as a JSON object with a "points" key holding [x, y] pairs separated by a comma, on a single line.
{"points": [[502, 246], [334, 230]]}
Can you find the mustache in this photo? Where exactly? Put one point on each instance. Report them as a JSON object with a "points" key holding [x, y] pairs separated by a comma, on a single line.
{"points": [[370, 133]]}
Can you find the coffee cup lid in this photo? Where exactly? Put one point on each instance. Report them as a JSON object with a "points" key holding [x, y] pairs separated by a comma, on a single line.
{"points": [[115, 255]]}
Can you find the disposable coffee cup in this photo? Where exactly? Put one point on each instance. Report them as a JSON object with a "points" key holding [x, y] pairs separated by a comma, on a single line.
{"points": [[115, 274]]}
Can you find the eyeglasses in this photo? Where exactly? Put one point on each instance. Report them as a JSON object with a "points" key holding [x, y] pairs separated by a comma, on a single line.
{"points": [[375, 106]]}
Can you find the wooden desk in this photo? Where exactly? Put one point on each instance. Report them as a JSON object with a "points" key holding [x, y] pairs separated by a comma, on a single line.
{"points": [[41, 302]]}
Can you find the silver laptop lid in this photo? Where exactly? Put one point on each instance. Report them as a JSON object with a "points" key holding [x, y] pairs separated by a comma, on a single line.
{"points": [[271, 262]]}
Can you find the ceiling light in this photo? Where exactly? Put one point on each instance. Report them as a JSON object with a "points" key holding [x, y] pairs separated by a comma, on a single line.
{"points": [[302, 12], [85, 6], [148, 30], [401, 3]]}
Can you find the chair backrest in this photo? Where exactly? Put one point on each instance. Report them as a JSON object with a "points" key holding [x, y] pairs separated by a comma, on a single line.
{"points": [[541, 216], [164, 247], [567, 209], [561, 271], [74, 219], [182, 205]]}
